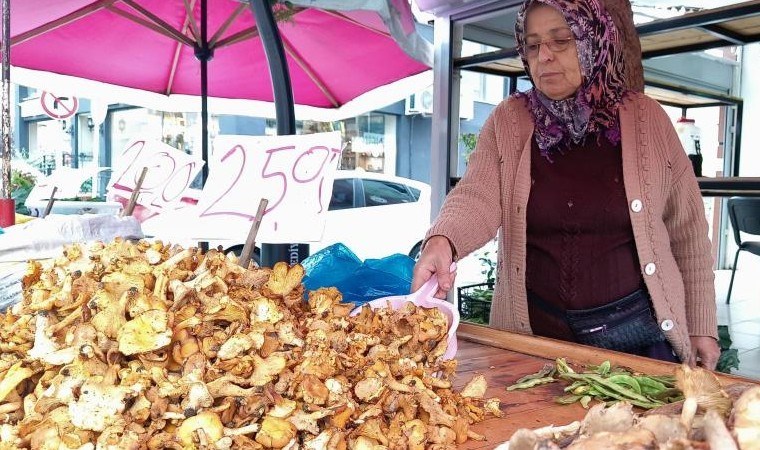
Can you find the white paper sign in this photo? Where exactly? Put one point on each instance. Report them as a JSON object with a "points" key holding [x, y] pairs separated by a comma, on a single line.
{"points": [[294, 173], [170, 173]]}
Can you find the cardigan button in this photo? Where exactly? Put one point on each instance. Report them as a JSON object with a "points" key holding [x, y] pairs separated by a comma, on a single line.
{"points": [[667, 325], [650, 269], [636, 205]]}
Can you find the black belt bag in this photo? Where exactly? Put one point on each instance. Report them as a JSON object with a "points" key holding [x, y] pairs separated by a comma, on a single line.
{"points": [[623, 325]]}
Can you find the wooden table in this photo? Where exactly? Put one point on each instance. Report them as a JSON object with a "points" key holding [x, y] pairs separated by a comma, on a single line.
{"points": [[504, 357]]}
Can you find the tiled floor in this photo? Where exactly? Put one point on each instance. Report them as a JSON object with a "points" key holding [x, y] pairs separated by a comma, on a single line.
{"points": [[742, 315]]}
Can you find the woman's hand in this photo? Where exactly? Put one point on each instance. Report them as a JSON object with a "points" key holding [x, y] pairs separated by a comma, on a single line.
{"points": [[706, 349], [435, 260]]}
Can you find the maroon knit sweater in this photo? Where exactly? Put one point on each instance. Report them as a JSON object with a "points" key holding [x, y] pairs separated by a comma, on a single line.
{"points": [[580, 247]]}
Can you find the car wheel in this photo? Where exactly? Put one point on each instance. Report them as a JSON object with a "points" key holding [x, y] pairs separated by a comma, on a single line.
{"points": [[415, 253], [237, 249]]}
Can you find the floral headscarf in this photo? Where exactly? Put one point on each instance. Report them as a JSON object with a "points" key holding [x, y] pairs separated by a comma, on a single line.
{"points": [[593, 108]]}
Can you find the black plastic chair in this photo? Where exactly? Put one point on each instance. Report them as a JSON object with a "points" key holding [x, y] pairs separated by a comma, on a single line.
{"points": [[744, 213]]}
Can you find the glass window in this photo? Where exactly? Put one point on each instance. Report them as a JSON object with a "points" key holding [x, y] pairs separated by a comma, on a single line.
{"points": [[370, 142], [378, 193], [342, 195], [49, 145], [179, 130]]}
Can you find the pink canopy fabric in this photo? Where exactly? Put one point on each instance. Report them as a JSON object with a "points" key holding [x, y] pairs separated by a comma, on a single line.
{"points": [[333, 57]]}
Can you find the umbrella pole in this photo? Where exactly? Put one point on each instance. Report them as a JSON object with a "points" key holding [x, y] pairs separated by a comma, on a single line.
{"points": [[278, 66], [204, 55], [286, 120], [7, 205], [204, 121]]}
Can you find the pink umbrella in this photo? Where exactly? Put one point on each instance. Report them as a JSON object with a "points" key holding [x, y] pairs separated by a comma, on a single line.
{"points": [[156, 45], [151, 45]]}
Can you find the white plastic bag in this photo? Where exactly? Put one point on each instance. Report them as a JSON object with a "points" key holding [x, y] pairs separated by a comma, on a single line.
{"points": [[44, 238], [10, 286]]}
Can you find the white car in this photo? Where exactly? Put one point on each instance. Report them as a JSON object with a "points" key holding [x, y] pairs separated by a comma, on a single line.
{"points": [[376, 215], [373, 214]]}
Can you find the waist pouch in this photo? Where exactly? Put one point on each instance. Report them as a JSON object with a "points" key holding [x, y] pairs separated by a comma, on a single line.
{"points": [[623, 325]]}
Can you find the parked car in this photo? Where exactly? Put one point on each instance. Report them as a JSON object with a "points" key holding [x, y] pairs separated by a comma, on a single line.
{"points": [[376, 215], [373, 214]]}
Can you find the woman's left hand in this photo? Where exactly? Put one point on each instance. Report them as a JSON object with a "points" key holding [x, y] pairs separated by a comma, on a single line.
{"points": [[706, 349]]}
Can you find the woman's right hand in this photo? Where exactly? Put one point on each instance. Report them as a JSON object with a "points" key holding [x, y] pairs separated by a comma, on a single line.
{"points": [[435, 260]]}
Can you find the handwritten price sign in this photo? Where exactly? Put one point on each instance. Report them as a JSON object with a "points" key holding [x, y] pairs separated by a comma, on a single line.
{"points": [[170, 173], [295, 173]]}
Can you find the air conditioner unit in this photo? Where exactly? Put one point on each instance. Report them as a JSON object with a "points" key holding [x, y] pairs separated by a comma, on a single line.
{"points": [[467, 105], [420, 103]]}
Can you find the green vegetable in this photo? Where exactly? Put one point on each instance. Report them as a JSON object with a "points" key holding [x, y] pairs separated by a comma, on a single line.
{"points": [[582, 389], [649, 386], [604, 383], [546, 371], [562, 366], [626, 380], [568, 399], [601, 369], [531, 383]]}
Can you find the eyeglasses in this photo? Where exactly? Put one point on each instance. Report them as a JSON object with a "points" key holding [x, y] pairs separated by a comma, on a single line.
{"points": [[555, 45]]}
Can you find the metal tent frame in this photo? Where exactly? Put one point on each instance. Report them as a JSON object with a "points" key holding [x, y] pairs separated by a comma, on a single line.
{"points": [[726, 26]]}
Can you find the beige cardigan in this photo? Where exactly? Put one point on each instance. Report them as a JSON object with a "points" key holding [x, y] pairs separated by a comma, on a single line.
{"points": [[665, 206]]}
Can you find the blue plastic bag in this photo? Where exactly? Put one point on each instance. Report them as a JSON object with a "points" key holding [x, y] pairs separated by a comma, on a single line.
{"points": [[358, 281], [329, 266]]}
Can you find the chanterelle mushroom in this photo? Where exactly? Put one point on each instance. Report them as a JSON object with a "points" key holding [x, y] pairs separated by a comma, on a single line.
{"points": [[45, 349], [267, 368], [147, 332], [207, 422], [143, 345], [747, 419], [275, 432], [100, 402]]}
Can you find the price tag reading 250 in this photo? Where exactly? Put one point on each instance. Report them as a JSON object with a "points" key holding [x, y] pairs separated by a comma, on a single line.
{"points": [[295, 173]]}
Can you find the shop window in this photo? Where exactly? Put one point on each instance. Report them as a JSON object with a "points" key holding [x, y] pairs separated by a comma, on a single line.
{"points": [[49, 144], [179, 130], [369, 139]]}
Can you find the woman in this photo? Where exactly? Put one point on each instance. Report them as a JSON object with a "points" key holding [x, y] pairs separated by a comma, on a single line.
{"points": [[603, 236]]}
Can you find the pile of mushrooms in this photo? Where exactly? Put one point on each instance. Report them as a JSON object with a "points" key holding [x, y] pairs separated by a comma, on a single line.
{"points": [[710, 417], [142, 345]]}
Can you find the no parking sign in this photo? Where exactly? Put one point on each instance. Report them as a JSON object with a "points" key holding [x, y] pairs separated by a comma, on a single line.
{"points": [[59, 107]]}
